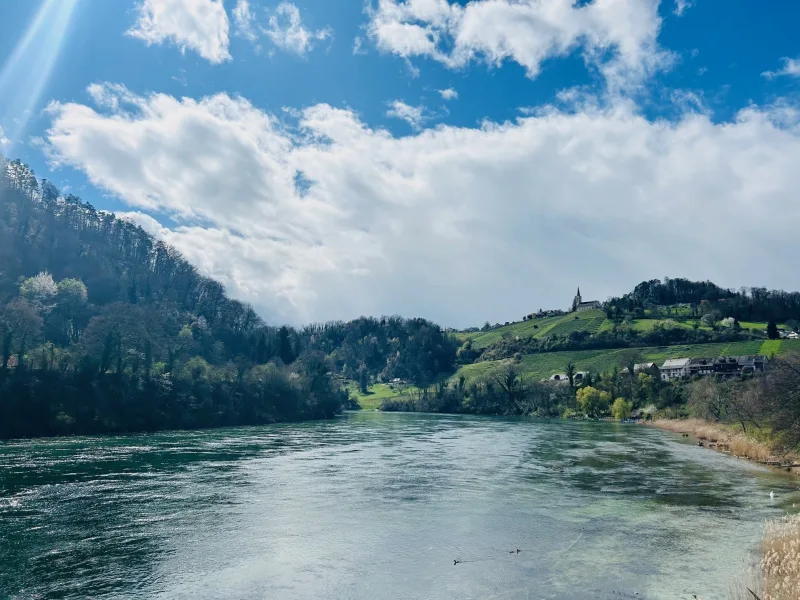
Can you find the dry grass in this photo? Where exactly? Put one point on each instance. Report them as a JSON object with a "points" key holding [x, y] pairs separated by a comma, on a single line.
{"points": [[741, 445], [727, 439], [750, 586], [777, 575], [781, 562]]}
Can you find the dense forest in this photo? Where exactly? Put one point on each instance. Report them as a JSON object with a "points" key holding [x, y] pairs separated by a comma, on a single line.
{"points": [[105, 329]]}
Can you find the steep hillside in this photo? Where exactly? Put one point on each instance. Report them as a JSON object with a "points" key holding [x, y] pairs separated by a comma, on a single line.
{"points": [[590, 320], [105, 329]]}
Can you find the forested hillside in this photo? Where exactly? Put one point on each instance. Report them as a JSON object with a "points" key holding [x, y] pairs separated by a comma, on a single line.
{"points": [[105, 329]]}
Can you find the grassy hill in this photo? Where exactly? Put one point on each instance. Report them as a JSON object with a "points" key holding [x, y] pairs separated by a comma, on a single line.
{"points": [[591, 321], [537, 366]]}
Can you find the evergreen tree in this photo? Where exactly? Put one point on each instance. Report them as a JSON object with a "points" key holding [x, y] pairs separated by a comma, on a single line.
{"points": [[772, 330]]}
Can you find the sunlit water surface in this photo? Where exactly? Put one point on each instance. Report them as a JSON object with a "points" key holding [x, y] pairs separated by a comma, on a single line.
{"points": [[376, 505]]}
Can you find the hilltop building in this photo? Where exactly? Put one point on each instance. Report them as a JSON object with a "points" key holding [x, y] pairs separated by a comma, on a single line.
{"points": [[578, 305]]}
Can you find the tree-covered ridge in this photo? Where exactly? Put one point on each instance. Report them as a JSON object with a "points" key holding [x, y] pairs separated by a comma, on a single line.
{"points": [[414, 350], [746, 304], [105, 328]]}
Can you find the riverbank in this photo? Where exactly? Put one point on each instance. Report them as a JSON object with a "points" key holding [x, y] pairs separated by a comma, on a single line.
{"points": [[733, 440], [777, 575]]}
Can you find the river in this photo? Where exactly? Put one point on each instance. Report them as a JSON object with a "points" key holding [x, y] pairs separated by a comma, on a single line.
{"points": [[375, 505]]}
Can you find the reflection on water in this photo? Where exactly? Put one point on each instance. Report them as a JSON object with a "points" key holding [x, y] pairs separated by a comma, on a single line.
{"points": [[378, 506]]}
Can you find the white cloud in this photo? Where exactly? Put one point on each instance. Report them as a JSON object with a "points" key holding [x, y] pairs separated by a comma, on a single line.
{"points": [[244, 20], [286, 30], [358, 46], [791, 68], [198, 25], [457, 224], [618, 36], [448, 94], [4, 141], [682, 5], [413, 115], [146, 222]]}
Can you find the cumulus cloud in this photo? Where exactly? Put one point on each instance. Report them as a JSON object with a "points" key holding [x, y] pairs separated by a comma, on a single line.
{"points": [[682, 5], [791, 68], [4, 141], [146, 222], [617, 36], [458, 224], [413, 115], [198, 25], [286, 30], [448, 94]]}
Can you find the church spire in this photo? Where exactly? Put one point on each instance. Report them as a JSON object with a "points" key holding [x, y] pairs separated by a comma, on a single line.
{"points": [[577, 300]]}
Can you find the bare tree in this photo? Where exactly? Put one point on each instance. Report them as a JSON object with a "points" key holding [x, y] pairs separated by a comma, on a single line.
{"points": [[708, 399], [745, 406], [780, 398]]}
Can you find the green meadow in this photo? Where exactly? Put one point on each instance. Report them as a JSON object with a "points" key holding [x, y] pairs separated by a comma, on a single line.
{"points": [[543, 365]]}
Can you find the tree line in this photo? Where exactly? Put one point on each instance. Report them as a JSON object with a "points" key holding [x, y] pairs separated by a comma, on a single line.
{"points": [[504, 390], [701, 297]]}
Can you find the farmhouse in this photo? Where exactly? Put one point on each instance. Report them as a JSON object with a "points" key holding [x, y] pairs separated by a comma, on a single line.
{"points": [[701, 366], [675, 368], [578, 305], [642, 367]]}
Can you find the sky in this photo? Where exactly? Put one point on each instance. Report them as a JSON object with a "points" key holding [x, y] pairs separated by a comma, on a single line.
{"points": [[459, 161]]}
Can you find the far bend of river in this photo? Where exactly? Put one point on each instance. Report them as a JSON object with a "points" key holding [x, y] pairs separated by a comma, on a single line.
{"points": [[376, 505]]}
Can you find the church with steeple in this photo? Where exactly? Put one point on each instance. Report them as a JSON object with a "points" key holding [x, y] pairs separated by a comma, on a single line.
{"points": [[578, 305]]}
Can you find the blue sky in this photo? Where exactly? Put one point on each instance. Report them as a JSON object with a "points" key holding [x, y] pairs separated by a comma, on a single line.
{"points": [[593, 143]]}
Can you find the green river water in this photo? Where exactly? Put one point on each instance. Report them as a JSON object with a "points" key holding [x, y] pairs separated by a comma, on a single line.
{"points": [[375, 505]]}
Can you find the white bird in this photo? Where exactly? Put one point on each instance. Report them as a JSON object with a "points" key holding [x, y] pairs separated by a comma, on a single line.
{"points": [[772, 495]]}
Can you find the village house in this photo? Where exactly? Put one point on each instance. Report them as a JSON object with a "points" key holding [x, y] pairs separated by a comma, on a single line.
{"points": [[701, 366], [675, 368], [642, 368], [578, 305], [726, 366]]}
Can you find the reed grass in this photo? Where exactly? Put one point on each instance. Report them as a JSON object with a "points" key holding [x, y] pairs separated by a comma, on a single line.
{"points": [[780, 564], [728, 438], [777, 575]]}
